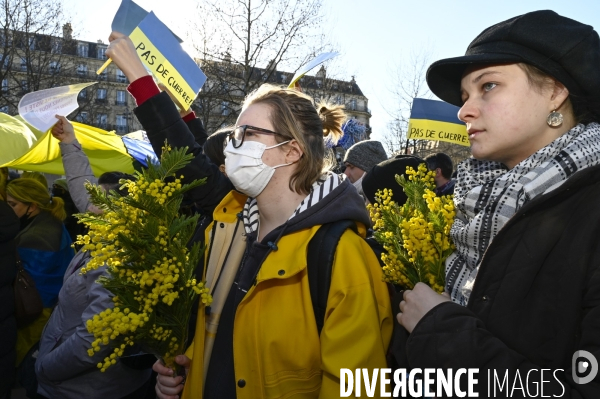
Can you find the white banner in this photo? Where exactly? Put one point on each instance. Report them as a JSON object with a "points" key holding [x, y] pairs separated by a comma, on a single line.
{"points": [[38, 108]]}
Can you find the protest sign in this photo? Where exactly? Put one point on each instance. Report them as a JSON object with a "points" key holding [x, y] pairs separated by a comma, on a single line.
{"points": [[169, 63], [307, 67], [437, 121], [127, 18], [38, 108]]}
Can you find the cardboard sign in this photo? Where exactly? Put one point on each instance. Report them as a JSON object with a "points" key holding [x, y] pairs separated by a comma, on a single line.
{"points": [[128, 17], [437, 121], [169, 63]]}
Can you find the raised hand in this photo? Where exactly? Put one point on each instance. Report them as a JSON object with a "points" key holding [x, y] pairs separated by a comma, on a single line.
{"points": [[63, 130], [122, 51]]}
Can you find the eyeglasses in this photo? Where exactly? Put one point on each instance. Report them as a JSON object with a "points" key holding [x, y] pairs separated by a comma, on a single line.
{"points": [[239, 133]]}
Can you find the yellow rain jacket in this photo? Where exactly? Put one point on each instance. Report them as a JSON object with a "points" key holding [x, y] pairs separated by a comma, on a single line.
{"points": [[277, 350]]}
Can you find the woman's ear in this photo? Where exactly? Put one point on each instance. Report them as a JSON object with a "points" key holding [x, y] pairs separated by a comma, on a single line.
{"points": [[294, 152], [559, 95], [222, 169], [33, 208]]}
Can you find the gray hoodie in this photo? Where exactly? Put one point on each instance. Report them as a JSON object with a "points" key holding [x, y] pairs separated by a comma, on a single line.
{"points": [[63, 367]]}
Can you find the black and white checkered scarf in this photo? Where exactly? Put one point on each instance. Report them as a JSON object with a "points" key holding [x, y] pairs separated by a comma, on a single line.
{"points": [[487, 195]]}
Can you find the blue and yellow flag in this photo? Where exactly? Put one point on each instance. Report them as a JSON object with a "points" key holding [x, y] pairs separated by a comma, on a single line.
{"points": [[21, 150], [436, 120], [162, 54]]}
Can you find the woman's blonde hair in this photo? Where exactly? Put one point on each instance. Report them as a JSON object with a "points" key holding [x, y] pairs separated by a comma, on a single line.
{"points": [[294, 116], [37, 176], [29, 191]]}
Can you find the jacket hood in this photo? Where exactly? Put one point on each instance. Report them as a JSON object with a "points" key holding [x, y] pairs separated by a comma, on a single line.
{"points": [[332, 198]]}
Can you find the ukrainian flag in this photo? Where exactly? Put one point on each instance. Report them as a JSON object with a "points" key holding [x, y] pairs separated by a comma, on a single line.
{"points": [[25, 148], [438, 121]]}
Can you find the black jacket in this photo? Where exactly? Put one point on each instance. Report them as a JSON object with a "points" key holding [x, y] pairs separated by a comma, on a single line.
{"points": [[160, 119], [9, 228], [536, 300]]}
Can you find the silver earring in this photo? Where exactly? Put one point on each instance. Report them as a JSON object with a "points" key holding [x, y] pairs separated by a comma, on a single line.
{"points": [[554, 119]]}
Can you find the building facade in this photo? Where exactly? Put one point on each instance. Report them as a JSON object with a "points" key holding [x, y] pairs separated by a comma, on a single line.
{"points": [[40, 62]]}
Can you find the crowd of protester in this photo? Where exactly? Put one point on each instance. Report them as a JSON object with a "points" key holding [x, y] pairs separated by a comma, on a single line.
{"points": [[522, 287]]}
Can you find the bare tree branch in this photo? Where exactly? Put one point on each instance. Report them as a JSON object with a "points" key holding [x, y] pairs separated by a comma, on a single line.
{"points": [[243, 43]]}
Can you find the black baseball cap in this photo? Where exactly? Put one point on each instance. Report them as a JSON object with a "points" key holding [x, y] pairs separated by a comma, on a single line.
{"points": [[567, 50]]}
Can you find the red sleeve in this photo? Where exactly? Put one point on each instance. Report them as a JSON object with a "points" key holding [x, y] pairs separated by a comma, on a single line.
{"points": [[142, 89], [189, 117]]}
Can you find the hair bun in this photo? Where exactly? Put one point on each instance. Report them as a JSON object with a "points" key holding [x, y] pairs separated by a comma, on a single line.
{"points": [[332, 116]]}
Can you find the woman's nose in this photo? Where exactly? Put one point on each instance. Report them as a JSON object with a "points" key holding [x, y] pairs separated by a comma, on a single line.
{"points": [[468, 111]]}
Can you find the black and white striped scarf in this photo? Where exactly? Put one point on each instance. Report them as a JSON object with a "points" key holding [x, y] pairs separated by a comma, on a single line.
{"points": [[487, 195], [326, 184]]}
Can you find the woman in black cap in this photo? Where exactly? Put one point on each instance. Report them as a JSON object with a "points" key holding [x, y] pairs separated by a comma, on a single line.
{"points": [[523, 286]]}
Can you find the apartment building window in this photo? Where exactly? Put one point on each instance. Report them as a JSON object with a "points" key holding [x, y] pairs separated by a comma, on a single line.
{"points": [[54, 67], [4, 85], [103, 75], [353, 104], [82, 117], [4, 109], [24, 86], [121, 99], [101, 120], [23, 64], [101, 94], [6, 63], [82, 49], [31, 43], [121, 123], [56, 46], [225, 108], [82, 70], [83, 93], [121, 78], [101, 53]]}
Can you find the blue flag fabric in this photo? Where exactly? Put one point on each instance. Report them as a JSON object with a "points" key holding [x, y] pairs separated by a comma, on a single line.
{"points": [[140, 151], [434, 110], [128, 17]]}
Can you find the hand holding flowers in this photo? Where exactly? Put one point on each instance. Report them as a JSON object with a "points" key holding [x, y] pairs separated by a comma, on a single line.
{"points": [[415, 235], [143, 241]]}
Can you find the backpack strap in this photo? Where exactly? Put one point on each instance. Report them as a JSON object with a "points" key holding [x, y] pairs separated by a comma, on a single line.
{"points": [[321, 253]]}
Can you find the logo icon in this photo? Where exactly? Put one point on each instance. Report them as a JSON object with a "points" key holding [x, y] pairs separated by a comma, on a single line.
{"points": [[584, 367]]}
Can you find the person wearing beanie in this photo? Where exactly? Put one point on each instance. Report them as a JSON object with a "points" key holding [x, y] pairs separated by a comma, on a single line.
{"points": [[383, 175], [361, 157], [523, 285]]}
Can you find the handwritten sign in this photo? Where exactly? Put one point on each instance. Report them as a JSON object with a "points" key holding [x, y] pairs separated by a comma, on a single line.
{"points": [[169, 63], [437, 121], [40, 107], [321, 58]]}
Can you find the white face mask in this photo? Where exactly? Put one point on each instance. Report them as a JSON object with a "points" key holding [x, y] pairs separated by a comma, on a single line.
{"points": [[358, 184], [245, 168]]}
